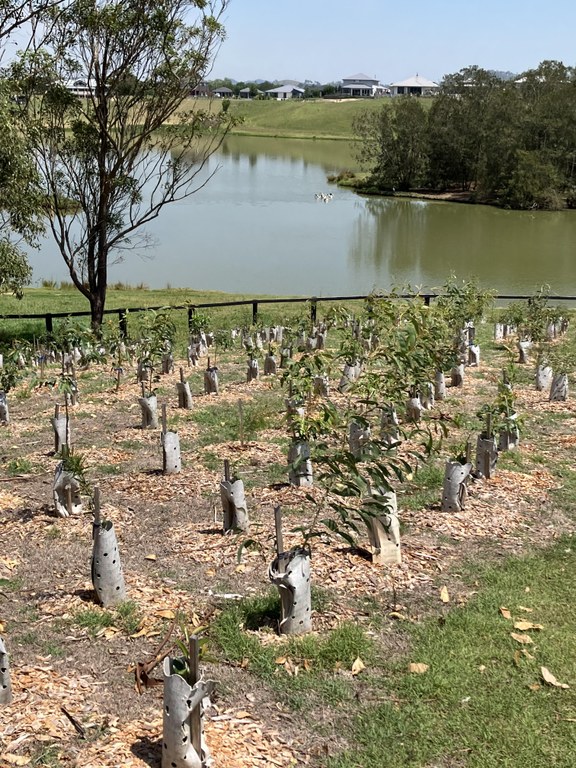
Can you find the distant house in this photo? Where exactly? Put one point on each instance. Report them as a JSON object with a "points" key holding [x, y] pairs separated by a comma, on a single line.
{"points": [[223, 93], [246, 93], [81, 88], [415, 86], [202, 90], [362, 86], [286, 92]]}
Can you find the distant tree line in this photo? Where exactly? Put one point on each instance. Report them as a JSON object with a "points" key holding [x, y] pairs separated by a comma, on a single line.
{"points": [[508, 142]]}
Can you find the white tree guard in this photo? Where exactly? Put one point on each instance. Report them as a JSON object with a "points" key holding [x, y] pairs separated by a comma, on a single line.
{"points": [[193, 354], [107, 576], [143, 372], [486, 455], [509, 438], [253, 370], [149, 408], [439, 385], [321, 386], [290, 572], [350, 374], [184, 395], [171, 459], [544, 375], [457, 375], [559, 388], [62, 436], [414, 409], [300, 472], [234, 507], [311, 343], [285, 355], [454, 491], [66, 492], [270, 365], [474, 355], [428, 396], [389, 425], [384, 533], [4, 412], [358, 438], [498, 331], [523, 349], [180, 700], [5, 687], [167, 362], [211, 382]]}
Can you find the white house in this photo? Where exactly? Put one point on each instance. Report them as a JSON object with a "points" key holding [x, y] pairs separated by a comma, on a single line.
{"points": [[415, 86], [81, 88], [286, 92], [362, 86]]}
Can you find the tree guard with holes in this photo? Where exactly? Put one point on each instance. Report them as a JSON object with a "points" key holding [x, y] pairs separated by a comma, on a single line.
{"points": [[509, 436], [427, 398], [389, 425], [486, 455], [4, 413], [559, 388], [66, 492], [384, 532], [523, 349], [414, 409], [180, 700], [184, 394], [270, 365], [61, 427], [211, 380], [457, 375], [5, 687], [149, 408], [253, 370], [544, 375], [171, 459], [350, 373], [474, 355], [358, 438], [300, 473], [454, 491], [439, 385], [290, 573], [107, 576], [234, 507], [498, 331]]}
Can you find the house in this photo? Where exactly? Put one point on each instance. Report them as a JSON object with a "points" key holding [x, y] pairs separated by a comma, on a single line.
{"points": [[362, 86], [286, 92], [81, 88], [223, 93], [202, 90], [246, 93], [415, 86]]}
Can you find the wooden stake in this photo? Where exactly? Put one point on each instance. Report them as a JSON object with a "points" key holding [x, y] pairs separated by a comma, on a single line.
{"points": [[69, 499], [164, 418], [241, 422], [226, 470], [96, 508], [196, 714], [143, 386], [278, 526], [468, 452], [181, 375]]}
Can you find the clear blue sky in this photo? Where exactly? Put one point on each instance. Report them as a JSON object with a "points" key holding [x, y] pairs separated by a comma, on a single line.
{"points": [[327, 40]]}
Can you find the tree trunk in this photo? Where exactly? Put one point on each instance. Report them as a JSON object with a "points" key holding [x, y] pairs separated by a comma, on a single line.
{"points": [[290, 572]]}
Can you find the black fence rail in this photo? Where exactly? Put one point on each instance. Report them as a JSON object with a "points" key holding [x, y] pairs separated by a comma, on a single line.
{"points": [[313, 301]]}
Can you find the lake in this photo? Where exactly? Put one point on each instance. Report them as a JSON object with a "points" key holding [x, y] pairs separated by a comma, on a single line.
{"points": [[257, 227]]}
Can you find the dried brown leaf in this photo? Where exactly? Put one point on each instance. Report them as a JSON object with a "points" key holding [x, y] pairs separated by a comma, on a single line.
{"points": [[549, 678], [525, 639], [505, 612], [418, 668], [524, 625]]}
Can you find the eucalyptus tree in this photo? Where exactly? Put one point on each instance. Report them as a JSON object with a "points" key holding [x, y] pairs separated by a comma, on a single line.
{"points": [[394, 143], [111, 160]]}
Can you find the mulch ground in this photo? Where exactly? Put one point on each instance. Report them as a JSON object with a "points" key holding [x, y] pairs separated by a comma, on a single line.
{"points": [[176, 560]]}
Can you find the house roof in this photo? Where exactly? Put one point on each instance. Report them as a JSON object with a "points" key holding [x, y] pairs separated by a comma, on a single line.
{"points": [[416, 82], [360, 76], [223, 90], [285, 89], [357, 85]]}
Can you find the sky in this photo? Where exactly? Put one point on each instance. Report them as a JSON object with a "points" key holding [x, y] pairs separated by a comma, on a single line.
{"points": [[327, 40]]}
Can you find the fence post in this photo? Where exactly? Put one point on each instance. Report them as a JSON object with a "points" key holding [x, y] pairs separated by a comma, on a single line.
{"points": [[191, 311], [254, 312], [123, 322], [48, 321], [313, 308]]}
